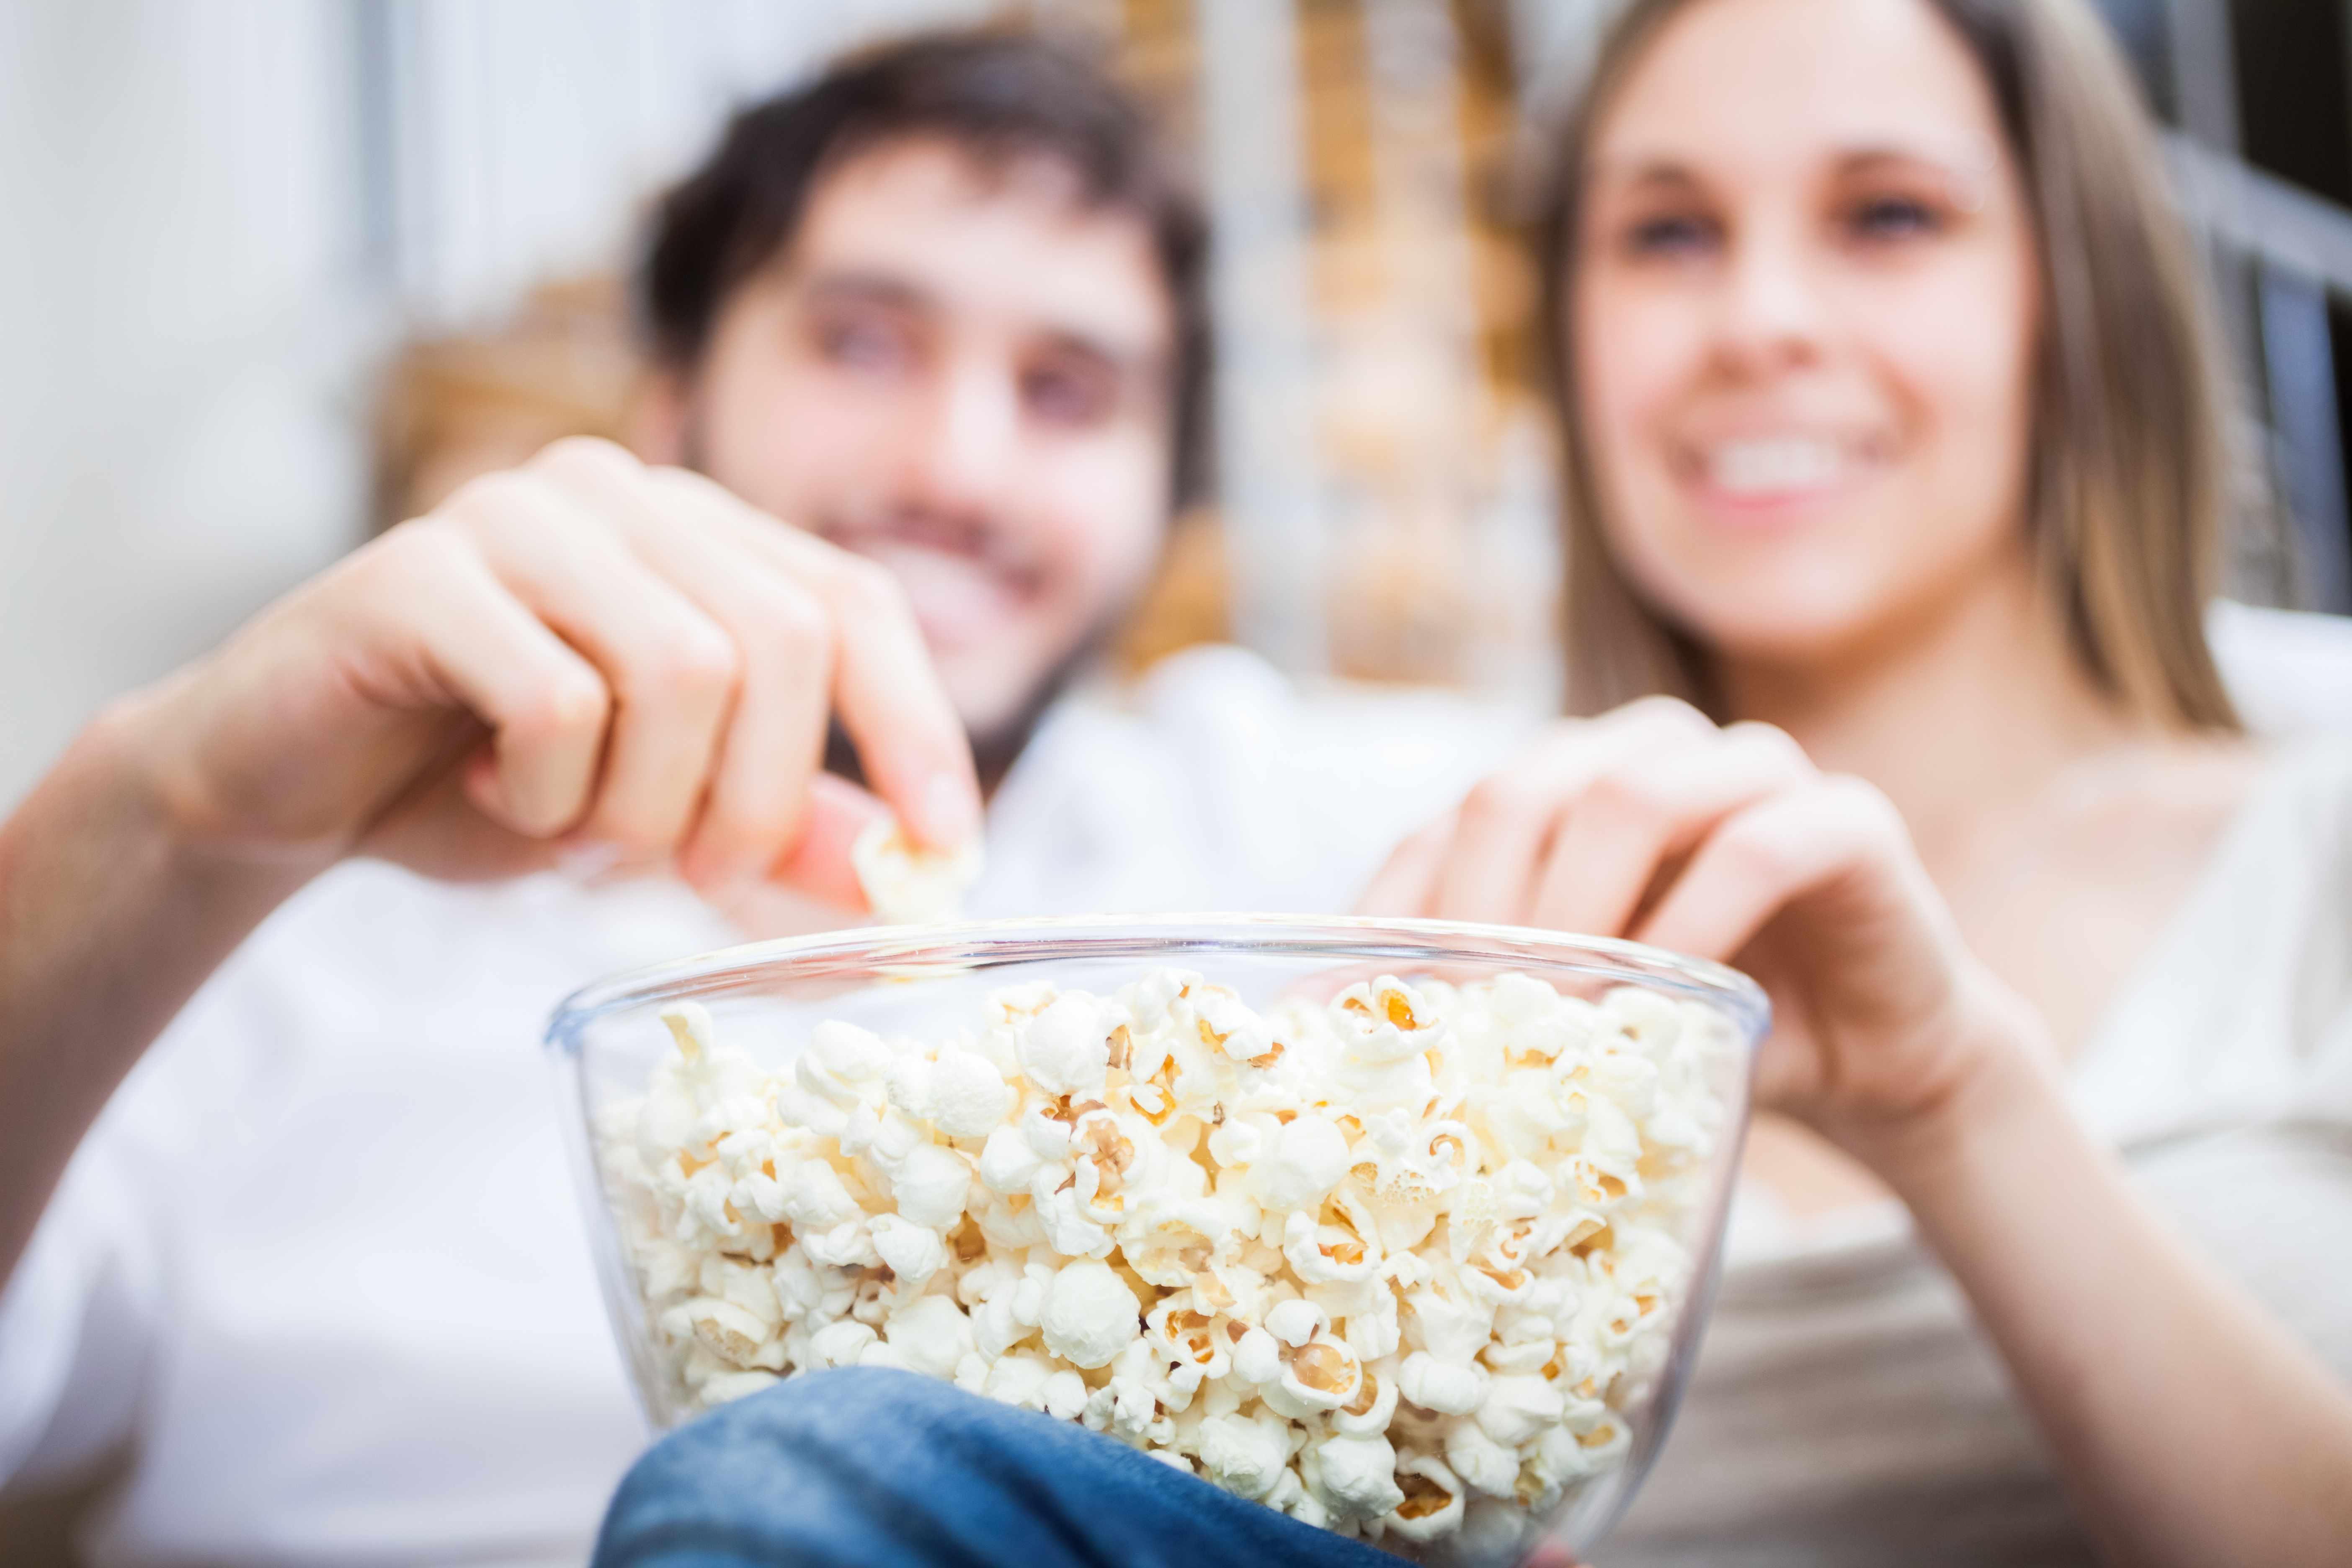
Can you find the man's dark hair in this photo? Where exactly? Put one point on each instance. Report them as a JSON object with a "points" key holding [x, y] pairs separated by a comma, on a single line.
{"points": [[998, 95]]}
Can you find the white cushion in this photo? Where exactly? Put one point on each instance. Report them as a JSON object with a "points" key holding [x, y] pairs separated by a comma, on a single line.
{"points": [[2289, 672]]}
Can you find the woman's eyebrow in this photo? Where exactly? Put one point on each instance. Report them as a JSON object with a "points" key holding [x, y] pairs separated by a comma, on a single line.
{"points": [[1969, 180], [1873, 154], [1660, 168], [1644, 171]]}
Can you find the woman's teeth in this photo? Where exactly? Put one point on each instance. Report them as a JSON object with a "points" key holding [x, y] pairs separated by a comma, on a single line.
{"points": [[1745, 468]]}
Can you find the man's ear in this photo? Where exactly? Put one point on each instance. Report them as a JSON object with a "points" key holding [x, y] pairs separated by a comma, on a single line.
{"points": [[660, 419]]}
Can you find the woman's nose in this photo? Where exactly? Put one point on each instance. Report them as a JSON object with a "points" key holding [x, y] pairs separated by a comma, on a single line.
{"points": [[1772, 311]]}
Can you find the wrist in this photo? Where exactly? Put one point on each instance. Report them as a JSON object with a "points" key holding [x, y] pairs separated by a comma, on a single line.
{"points": [[142, 803], [132, 756], [113, 767], [2002, 1094]]}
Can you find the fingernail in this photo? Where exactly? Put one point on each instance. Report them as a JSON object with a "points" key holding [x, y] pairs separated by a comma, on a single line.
{"points": [[585, 859], [949, 819]]}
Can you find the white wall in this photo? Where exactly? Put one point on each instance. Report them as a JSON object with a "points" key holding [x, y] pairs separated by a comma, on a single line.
{"points": [[525, 132], [209, 229], [174, 337]]}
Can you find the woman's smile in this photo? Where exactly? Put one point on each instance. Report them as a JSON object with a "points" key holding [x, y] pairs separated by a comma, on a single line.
{"points": [[1768, 479]]}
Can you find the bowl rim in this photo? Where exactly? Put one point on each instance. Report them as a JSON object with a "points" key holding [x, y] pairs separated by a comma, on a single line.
{"points": [[915, 947]]}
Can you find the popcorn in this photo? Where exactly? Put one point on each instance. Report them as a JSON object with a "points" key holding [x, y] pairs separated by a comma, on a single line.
{"points": [[932, 1185], [1294, 1322], [1309, 1159], [1091, 1315], [1356, 1476], [906, 884], [968, 1097], [1066, 1395], [1450, 1388], [1066, 1049], [1400, 1265], [1020, 1380], [1257, 1357], [1245, 1454], [1322, 1374], [1519, 1408], [726, 1387], [840, 1344], [730, 1333], [1432, 1504], [908, 1250], [1490, 1467]]}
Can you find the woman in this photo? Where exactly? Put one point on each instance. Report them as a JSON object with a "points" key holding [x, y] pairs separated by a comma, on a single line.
{"points": [[1893, 453], [1893, 450]]}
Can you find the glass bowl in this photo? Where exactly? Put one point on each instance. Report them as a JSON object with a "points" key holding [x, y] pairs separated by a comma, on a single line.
{"points": [[1457, 1190]]}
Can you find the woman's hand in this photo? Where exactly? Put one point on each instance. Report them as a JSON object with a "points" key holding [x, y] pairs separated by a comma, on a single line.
{"points": [[582, 651], [1895, 1043], [1651, 823]]}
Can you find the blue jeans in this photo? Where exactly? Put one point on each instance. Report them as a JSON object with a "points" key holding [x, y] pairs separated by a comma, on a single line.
{"points": [[863, 1467]]}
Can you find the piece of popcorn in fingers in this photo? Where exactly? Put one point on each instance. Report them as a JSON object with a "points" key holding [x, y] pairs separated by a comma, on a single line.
{"points": [[906, 883]]}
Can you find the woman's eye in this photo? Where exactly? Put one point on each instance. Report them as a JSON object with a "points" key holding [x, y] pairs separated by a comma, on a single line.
{"points": [[1673, 235], [1891, 218]]}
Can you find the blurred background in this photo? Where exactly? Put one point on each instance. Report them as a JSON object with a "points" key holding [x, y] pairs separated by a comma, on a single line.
{"points": [[275, 270]]}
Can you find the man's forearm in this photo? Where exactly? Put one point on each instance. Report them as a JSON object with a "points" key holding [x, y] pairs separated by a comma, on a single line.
{"points": [[2190, 1427], [109, 922]]}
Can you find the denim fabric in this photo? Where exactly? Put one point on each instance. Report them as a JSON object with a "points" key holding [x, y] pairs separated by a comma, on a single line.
{"points": [[863, 1466]]}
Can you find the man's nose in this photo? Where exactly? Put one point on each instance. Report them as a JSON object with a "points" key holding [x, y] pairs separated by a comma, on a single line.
{"points": [[967, 446], [1773, 312]]}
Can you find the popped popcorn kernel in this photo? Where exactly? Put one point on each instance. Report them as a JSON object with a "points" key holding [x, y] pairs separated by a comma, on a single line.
{"points": [[1091, 1315], [1432, 1504], [906, 884], [1403, 1263]]}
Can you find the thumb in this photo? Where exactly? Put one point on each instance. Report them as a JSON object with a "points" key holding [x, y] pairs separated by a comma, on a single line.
{"points": [[819, 863], [1549, 1554]]}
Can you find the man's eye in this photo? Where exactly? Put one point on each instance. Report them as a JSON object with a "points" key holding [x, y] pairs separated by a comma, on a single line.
{"points": [[1891, 218], [1068, 396], [861, 345], [1671, 235]]}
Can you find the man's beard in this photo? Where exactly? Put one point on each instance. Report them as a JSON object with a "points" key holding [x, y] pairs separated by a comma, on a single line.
{"points": [[996, 747]]}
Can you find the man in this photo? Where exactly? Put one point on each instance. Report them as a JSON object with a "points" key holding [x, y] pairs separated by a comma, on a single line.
{"points": [[316, 1263]]}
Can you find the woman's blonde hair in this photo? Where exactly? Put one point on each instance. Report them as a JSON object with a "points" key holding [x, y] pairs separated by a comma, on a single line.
{"points": [[2129, 463]]}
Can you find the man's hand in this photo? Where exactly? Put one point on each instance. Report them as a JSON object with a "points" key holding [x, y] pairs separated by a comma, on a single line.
{"points": [[585, 650]]}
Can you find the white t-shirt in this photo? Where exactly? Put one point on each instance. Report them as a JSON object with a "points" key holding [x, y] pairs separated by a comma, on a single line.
{"points": [[320, 1263]]}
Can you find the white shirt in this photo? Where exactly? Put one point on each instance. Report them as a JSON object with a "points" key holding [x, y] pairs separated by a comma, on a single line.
{"points": [[320, 1261]]}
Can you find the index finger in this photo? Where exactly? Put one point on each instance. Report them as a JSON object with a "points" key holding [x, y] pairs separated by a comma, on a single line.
{"points": [[1407, 883], [1770, 854], [886, 690]]}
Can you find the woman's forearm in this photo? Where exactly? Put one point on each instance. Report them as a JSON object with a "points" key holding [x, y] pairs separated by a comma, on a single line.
{"points": [[109, 922], [2189, 1427]]}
